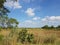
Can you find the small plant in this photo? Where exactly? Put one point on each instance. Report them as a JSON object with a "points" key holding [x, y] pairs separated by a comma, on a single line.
{"points": [[22, 35], [30, 38]]}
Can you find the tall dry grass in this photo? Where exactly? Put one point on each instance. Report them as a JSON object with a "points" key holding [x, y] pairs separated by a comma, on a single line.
{"points": [[41, 37]]}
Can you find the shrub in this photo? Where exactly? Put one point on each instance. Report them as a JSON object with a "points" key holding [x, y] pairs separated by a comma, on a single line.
{"points": [[30, 38], [22, 35]]}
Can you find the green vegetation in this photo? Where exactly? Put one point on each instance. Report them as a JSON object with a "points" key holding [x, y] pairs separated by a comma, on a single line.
{"points": [[50, 27], [4, 19], [30, 38], [24, 36]]}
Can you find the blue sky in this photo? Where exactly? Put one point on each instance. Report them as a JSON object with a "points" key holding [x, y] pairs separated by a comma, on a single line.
{"points": [[35, 13]]}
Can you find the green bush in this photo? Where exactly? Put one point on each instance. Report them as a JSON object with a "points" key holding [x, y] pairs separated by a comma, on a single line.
{"points": [[24, 36], [30, 38]]}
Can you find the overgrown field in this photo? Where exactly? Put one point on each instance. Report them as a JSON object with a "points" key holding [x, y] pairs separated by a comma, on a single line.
{"points": [[40, 37]]}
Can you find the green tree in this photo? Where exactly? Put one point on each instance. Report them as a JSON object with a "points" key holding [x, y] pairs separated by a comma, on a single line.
{"points": [[52, 27], [12, 23], [45, 27], [3, 12], [58, 26]]}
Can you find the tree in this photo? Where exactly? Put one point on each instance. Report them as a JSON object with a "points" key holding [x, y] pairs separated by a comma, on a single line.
{"points": [[1, 3], [58, 26], [3, 21], [12, 23], [45, 27], [3, 12], [52, 27]]}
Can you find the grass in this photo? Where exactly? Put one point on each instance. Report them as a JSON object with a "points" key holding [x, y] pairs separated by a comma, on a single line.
{"points": [[40, 35]]}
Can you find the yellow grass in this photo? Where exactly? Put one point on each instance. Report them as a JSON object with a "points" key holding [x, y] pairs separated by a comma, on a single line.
{"points": [[40, 35]]}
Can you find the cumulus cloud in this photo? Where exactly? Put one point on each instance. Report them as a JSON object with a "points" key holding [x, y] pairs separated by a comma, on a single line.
{"points": [[51, 18], [30, 12], [36, 18], [55, 18], [12, 4], [48, 20]]}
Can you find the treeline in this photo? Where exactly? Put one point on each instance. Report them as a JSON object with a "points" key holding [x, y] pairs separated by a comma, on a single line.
{"points": [[50, 27]]}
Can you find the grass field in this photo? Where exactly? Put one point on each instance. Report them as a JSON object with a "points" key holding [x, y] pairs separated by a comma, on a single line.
{"points": [[40, 36]]}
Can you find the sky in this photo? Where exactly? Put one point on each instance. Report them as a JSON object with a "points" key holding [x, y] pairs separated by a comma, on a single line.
{"points": [[34, 13]]}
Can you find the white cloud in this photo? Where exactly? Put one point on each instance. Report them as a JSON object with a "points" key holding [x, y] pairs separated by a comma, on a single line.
{"points": [[48, 20], [51, 18], [30, 12], [55, 18], [17, 5], [36, 18], [12, 4]]}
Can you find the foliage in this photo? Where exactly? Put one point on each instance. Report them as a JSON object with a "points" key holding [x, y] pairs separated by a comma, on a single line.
{"points": [[30, 38], [24, 36], [4, 16], [58, 27], [48, 27], [52, 27], [45, 27], [12, 23]]}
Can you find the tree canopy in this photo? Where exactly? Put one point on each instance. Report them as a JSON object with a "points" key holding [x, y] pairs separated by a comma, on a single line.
{"points": [[4, 19]]}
